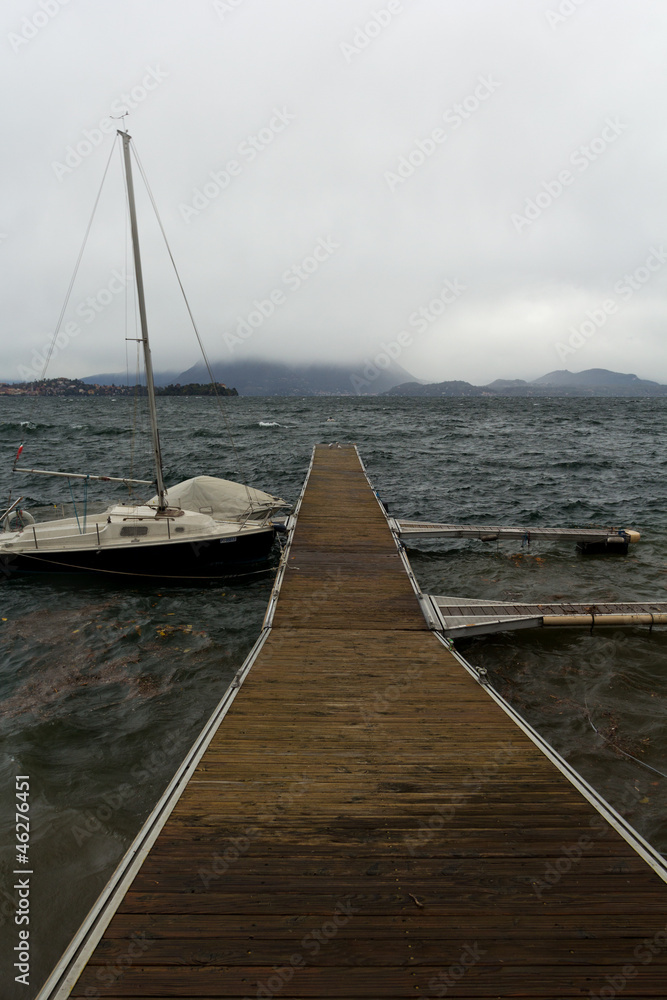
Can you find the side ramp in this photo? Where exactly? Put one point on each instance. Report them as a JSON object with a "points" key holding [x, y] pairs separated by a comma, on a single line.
{"points": [[367, 820], [587, 539], [460, 617]]}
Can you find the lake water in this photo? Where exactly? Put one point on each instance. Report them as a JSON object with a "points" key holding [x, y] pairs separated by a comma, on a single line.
{"points": [[104, 686]]}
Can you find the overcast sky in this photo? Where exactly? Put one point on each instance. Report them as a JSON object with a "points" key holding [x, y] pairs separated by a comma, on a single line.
{"points": [[478, 187]]}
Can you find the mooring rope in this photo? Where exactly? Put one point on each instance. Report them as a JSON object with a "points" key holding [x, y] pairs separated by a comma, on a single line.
{"points": [[149, 576], [612, 744]]}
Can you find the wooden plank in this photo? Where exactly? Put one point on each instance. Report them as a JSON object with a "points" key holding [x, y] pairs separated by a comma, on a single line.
{"points": [[347, 950], [424, 529], [458, 618], [417, 925], [366, 817], [491, 978], [487, 608]]}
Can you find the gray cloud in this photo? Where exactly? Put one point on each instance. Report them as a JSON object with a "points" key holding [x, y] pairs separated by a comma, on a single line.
{"points": [[479, 109]]}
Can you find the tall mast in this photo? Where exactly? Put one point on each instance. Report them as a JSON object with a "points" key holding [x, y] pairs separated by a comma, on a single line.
{"points": [[148, 364]]}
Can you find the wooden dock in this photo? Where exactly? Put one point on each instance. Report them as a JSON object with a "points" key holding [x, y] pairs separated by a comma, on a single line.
{"points": [[369, 821], [607, 538], [460, 617]]}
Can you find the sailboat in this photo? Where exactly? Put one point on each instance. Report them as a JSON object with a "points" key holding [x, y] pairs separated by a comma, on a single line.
{"points": [[202, 527]]}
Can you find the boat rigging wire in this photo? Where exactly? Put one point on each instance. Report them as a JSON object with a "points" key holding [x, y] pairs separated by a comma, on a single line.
{"points": [[76, 268], [194, 324], [68, 295]]}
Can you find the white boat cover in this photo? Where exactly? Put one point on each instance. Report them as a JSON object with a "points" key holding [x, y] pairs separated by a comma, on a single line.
{"points": [[222, 499]]}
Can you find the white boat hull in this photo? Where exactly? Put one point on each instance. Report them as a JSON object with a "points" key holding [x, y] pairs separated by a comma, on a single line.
{"points": [[138, 541]]}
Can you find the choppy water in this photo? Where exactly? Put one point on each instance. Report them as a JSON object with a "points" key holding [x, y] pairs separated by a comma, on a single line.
{"points": [[104, 687]]}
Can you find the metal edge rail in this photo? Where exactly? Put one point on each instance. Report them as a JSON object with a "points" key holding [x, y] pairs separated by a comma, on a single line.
{"points": [[490, 627], [64, 976], [642, 847], [280, 575], [433, 621], [484, 626], [290, 525]]}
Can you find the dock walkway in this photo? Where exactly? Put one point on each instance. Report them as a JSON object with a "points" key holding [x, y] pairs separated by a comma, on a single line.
{"points": [[368, 821], [461, 616]]}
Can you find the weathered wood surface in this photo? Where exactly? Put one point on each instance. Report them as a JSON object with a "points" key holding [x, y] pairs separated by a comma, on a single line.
{"points": [[492, 532], [367, 822], [462, 607], [460, 616]]}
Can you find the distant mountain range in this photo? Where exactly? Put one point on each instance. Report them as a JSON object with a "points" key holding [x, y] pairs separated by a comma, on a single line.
{"points": [[593, 382], [270, 378]]}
